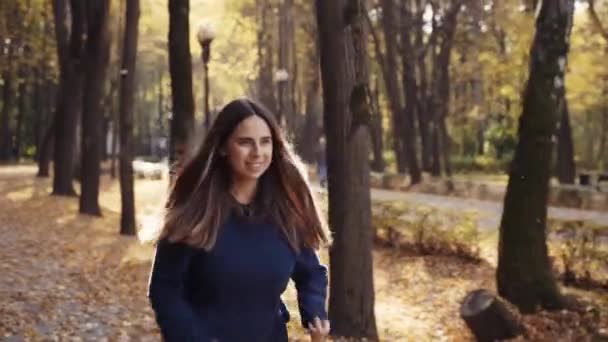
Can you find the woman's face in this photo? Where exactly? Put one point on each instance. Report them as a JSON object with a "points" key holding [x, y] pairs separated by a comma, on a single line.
{"points": [[249, 149]]}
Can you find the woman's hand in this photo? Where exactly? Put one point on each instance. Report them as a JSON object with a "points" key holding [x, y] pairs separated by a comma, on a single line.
{"points": [[319, 330]]}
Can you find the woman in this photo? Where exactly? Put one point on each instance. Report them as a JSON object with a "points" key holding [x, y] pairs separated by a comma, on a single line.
{"points": [[241, 221]]}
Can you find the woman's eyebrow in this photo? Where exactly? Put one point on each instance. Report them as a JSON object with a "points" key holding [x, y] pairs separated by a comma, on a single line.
{"points": [[246, 137]]}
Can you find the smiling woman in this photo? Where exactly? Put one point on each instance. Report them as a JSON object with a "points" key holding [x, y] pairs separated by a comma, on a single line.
{"points": [[241, 221], [249, 152]]}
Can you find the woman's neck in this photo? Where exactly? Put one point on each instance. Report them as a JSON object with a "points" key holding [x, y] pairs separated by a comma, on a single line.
{"points": [[244, 191]]}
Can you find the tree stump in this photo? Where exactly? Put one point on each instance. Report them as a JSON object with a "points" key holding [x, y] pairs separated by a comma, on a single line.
{"points": [[489, 318]]}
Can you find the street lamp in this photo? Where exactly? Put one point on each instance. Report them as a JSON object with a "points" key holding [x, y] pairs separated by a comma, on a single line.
{"points": [[205, 35], [280, 77]]}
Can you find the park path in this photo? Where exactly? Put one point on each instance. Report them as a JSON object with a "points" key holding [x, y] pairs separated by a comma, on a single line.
{"points": [[62, 275], [488, 213]]}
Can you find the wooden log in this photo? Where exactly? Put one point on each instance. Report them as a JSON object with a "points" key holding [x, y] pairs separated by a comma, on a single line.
{"points": [[489, 318]]}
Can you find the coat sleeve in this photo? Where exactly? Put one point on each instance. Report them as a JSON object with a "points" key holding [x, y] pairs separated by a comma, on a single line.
{"points": [[166, 291], [310, 278]]}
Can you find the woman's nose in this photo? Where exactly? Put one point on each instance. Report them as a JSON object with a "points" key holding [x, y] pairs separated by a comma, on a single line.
{"points": [[256, 149]]}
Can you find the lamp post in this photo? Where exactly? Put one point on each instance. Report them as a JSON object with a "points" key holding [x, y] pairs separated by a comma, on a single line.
{"points": [[205, 35], [280, 77]]}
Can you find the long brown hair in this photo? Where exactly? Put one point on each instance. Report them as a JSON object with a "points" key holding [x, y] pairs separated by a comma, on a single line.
{"points": [[199, 201]]}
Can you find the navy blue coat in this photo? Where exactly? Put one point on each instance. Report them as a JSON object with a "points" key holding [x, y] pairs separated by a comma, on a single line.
{"points": [[233, 293]]}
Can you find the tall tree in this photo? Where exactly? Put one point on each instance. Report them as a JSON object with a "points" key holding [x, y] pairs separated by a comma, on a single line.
{"points": [[264, 14], [23, 95], [127, 90], [10, 14], [524, 275], [475, 19], [7, 96], [314, 106], [114, 101], [70, 35], [180, 67], [46, 146], [441, 88], [378, 163], [391, 79], [422, 46], [286, 62], [410, 95], [96, 56], [45, 89], [344, 72]]}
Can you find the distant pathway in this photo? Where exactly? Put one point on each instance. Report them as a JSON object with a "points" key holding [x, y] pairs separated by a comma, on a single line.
{"points": [[488, 212]]}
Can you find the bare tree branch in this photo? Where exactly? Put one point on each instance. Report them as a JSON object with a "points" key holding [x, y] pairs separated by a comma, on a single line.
{"points": [[596, 20]]}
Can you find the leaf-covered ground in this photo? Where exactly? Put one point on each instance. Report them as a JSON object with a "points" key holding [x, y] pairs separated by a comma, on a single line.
{"points": [[70, 277]]}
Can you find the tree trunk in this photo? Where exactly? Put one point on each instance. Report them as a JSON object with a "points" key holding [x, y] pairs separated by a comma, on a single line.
{"points": [[46, 147], [441, 86], [410, 95], [342, 37], [378, 164], [38, 110], [480, 137], [180, 67], [95, 62], [114, 145], [266, 55], [286, 62], [6, 136], [115, 102], [435, 147], [446, 148], [71, 82], [48, 140], [108, 110], [433, 105], [376, 128], [604, 126], [20, 116], [139, 123], [601, 153], [105, 125], [424, 119], [114, 149], [566, 169], [77, 168], [524, 275], [475, 20], [314, 109], [127, 90], [389, 26]]}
